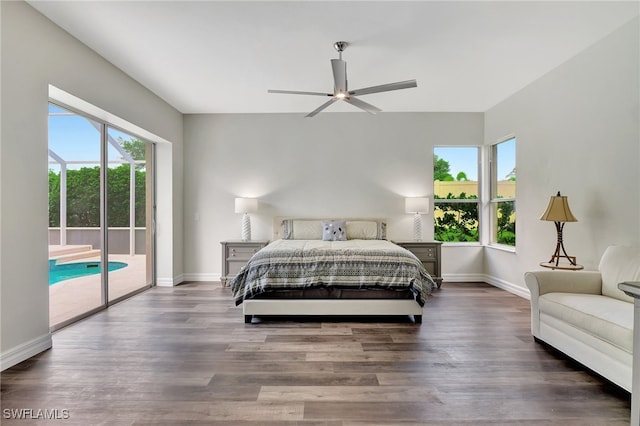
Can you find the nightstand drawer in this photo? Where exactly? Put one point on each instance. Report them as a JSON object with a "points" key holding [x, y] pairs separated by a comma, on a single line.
{"points": [[241, 252], [424, 253]]}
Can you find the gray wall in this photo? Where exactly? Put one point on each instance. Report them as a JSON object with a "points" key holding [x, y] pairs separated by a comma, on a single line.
{"points": [[332, 165], [577, 132]]}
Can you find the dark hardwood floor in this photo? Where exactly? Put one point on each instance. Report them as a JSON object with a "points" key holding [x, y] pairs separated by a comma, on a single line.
{"points": [[183, 355]]}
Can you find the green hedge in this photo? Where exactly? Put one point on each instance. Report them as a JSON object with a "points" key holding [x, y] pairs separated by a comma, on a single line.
{"points": [[83, 197]]}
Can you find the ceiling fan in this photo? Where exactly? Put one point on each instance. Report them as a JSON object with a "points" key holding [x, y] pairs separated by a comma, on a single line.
{"points": [[340, 90]]}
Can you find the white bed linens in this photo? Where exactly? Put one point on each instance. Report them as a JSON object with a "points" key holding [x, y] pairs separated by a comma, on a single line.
{"points": [[353, 264]]}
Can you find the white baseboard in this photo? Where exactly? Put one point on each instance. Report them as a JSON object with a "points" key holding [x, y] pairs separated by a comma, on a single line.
{"points": [[510, 287], [172, 282], [202, 277], [461, 278], [496, 282], [25, 351], [169, 282]]}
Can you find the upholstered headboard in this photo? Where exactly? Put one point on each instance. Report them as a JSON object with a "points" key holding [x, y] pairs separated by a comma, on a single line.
{"points": [[311, 228]]}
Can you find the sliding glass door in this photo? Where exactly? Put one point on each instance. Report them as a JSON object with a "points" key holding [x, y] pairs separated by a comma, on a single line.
{"points": [[100, 213], [75, 285], [127, 211]]}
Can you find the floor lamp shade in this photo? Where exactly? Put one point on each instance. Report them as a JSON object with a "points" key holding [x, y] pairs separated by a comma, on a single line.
{"points": [[246, 206], [418, 206]]}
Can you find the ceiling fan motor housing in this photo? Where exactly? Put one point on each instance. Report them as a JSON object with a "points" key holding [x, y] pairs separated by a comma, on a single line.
{"points": [[340, 46]]}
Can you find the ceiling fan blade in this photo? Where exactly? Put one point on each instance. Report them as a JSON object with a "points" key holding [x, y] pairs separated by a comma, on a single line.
{"points": [[384, 88], [295, 92], [321, 107], [362, 105], [339, 75]]}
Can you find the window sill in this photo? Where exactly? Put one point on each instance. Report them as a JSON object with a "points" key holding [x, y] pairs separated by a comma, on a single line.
{"points": [[502, 247], [461, 244]]}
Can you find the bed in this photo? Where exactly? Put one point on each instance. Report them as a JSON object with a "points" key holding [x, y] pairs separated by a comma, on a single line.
{"points": [[332, 267]]}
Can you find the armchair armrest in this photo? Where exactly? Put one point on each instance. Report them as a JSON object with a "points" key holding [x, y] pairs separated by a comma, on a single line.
{"points": [[541, 282]]}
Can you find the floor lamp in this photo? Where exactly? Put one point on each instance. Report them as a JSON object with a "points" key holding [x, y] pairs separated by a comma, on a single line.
{"points": [[558, 212]]}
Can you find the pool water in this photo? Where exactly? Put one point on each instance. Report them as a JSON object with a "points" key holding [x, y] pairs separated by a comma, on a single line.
{"points": [[67, 271]]}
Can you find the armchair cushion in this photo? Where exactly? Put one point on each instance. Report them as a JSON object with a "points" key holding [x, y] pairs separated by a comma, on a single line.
{"points": [[606, 318]]}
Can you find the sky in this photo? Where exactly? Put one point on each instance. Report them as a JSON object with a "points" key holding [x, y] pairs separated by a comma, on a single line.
{"points": [[74, 138], [465, 159]]}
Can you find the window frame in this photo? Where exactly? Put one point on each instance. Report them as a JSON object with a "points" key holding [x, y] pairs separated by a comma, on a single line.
{"points": [[494, 200]]}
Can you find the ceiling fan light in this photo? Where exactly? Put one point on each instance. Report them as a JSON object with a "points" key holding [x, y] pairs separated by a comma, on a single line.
{"points": [[341, 95]]}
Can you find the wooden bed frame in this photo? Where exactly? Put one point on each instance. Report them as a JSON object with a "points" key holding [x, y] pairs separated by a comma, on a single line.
{"points": [[329, 307]]}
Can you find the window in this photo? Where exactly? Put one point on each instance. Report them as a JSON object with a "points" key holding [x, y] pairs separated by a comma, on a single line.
{"points": [[503, 192], [455, 193]]}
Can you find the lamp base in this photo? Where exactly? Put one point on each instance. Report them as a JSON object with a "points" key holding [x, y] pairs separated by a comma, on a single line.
{"points": [[417, 227], [556, 256], [555, 259], [246, 227]]}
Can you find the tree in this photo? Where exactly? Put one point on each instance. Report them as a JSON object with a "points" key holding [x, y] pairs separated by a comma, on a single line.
{"points": [[54, 198], [135, 147], [506, 232], [441, 169], [462, 176]]}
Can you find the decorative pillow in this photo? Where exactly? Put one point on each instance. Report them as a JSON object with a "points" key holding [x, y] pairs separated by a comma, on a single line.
{"points": [[334, 230]]}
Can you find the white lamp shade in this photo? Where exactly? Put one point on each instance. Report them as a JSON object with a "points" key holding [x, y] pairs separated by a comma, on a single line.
{"points": [[416, 205], [246, 205]]}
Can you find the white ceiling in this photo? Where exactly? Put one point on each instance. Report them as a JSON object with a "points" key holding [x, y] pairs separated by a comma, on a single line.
{"points": [[221, 57]]}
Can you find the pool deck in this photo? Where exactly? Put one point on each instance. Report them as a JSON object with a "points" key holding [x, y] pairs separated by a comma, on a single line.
{"points": [[73, 297]]}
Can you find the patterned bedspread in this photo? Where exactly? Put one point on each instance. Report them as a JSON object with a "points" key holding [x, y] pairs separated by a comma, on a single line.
{"points": [[353, 264]]}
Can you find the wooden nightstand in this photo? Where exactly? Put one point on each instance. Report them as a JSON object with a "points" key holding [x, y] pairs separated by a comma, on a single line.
{"points": [[235, 254], [429, 254]]}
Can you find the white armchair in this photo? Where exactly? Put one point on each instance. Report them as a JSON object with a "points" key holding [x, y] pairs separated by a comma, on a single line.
{"points": [[586, 316]]}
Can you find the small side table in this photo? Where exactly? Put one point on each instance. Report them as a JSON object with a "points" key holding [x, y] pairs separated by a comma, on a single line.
{"points": [[428, 252], [567, 267], [632, 288], [235, 254]]}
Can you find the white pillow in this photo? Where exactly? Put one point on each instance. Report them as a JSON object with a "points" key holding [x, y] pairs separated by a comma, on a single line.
{"points": [[302, 229], [362, 230]]}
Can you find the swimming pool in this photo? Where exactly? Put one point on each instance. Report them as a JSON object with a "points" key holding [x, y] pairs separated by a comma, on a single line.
{"points": [[67, 271]]}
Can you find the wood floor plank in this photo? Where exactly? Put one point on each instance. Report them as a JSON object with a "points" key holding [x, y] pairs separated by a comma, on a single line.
{"points": [[347, 394], [183, 355]]}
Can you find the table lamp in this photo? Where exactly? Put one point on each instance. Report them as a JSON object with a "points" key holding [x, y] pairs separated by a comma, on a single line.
{"points": [[558, 212], [418, 206]]}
